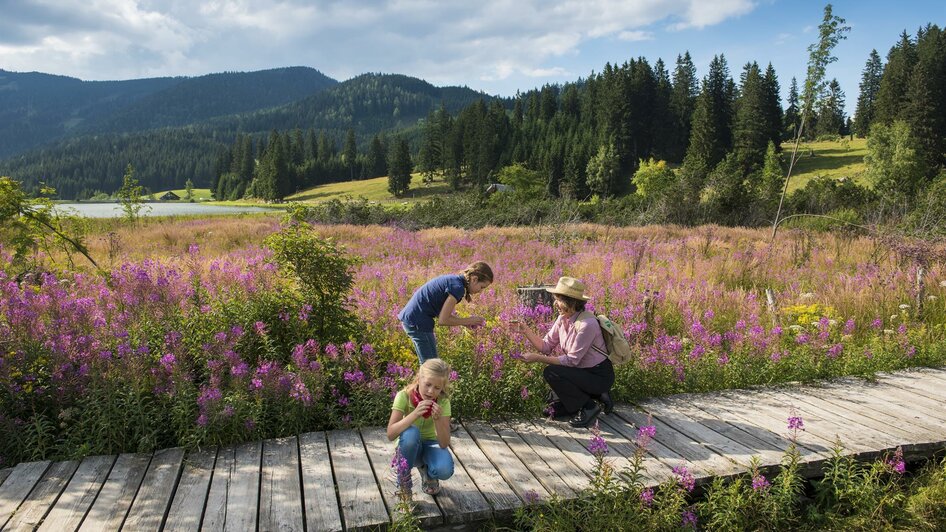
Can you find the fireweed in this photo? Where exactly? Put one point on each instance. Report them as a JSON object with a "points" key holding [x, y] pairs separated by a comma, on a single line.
{"points": [[188, 349]]}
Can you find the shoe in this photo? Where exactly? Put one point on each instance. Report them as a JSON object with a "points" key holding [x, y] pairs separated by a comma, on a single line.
{"points": [[431, 486], [607, 405], [585, 417], [454, 425]]}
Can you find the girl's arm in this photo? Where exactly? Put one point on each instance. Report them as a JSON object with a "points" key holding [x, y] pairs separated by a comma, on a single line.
{"points": [[398, 422], [442, 426], [448, 319]]}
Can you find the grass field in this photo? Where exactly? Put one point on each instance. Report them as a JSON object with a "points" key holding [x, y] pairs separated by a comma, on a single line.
{"points": [[200, 194], [828, 158], [372, 189]]}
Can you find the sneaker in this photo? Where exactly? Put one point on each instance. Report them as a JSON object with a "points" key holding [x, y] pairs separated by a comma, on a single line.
{"points": [[454, 425], [586, 416], [607, 405], [431, 486]]}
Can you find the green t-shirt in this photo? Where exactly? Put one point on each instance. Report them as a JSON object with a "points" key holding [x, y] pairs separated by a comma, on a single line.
{"points": [[426, 426]]}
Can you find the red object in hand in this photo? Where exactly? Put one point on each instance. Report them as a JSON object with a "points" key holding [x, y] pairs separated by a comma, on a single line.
{"points": [[416, 398]]}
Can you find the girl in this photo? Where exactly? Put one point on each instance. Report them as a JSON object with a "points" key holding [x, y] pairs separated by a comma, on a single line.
{"points": [[436, 300], [420, 420]]}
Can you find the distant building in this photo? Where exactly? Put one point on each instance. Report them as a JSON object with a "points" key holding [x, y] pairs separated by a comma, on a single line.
{"points": [[497, 187], [169, 196]]}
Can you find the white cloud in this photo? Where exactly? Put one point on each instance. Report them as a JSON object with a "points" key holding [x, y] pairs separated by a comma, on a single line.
{"points": [[447, 41]]}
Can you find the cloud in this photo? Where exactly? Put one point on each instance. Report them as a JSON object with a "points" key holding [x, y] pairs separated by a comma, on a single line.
{"points": [[446, 42]]}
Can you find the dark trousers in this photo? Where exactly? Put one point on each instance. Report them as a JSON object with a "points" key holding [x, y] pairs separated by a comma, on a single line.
{"points": [[575, 386]]}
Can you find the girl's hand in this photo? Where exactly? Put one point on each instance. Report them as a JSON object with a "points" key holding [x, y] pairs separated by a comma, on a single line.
{"points": [[476, 321], [421, 408], [435, 411]]}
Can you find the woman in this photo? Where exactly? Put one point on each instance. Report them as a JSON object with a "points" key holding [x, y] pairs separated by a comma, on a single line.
{"points": [[583, 372], [436, 300]]}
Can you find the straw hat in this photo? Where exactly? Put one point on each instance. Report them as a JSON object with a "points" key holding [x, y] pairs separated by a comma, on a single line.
{"points": [[571, 287]]}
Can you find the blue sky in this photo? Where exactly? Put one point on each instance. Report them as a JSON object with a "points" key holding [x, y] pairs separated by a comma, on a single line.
{"points": [[497, 46]]}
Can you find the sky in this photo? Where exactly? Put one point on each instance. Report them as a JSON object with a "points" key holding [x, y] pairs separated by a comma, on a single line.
{"points": [[496, 46]]}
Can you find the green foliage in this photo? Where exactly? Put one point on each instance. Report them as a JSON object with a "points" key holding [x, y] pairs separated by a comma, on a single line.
{"points": [[654, 179], [603, 172], [894, 167], [130, 197], [523, 181], [32, 225], [399, 168], [323, 272]]}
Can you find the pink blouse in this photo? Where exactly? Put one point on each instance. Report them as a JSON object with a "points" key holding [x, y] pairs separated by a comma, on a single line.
{"points": [[575, 338]]}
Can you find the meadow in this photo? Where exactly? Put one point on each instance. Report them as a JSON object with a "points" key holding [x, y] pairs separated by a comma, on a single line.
{"points": [[200, 334]]}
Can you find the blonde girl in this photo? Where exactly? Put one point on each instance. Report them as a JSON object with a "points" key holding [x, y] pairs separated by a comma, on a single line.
{"points": [[420, 421]]}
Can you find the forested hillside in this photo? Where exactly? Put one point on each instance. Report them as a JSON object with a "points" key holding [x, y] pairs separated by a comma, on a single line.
{"points": [[166, 158], [36, 108]]}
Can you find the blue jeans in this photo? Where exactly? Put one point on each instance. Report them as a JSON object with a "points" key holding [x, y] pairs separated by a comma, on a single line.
{"points": [[425, 343], [419, 452]]}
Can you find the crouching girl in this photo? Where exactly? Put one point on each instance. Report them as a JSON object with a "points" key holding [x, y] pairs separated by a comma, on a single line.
{"points": [[420, 421]]}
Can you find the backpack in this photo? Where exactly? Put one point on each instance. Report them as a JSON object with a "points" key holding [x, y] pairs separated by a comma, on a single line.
{"points": [[619, 350]]}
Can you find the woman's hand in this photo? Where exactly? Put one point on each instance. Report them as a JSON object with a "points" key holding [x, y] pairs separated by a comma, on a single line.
{"points": [[531, 356]]}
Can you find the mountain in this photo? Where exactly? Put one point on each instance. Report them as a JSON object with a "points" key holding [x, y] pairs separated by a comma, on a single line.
{"points": [[95, 158], [37, 108]]}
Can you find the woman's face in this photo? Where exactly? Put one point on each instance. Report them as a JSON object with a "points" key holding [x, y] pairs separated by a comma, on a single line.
{"points": [[563, 307], [430, 387], [477, 286]]}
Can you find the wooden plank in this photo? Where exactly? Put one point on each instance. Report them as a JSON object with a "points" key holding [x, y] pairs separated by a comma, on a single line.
{"points": [[318, 485], [4, 473], [187, 508], [77, 498], [768, 452], [855, 437], [243, 492], [380, 453], [501, 497], [215, 510], [763, 422], [41, 498], [657, 461], [576, 453], [703, 461], [853, 413], [916, 384], [280, 506], [571, 474], [516, 474], [670, 415], [18, 485], [621, 451], [151, 504], [359, 495], [888, 411], [114, 499], [928, 407], [549, 473]]}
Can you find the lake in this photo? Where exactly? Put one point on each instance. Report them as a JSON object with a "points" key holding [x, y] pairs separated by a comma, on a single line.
{"points": [[114, 210]]}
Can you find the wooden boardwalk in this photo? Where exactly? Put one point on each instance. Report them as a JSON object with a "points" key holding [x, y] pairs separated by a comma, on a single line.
{"points": [[342, 480]]}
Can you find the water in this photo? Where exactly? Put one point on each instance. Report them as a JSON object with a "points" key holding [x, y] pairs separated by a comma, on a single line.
{"points": [[114, 210]]}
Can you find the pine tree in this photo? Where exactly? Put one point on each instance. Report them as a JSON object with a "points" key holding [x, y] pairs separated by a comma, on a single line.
{"points": [[682, 103], [895, 83], [711, 134], [831, 119], [773, 106], [603, 171], [751, 129], [869, 87], [377, 163], [792, 119], [925, 109], [399, 168], [350, 153]]}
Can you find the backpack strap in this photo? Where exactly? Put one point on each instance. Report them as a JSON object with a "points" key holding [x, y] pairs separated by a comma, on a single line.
{"points": [[593, 346]]}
